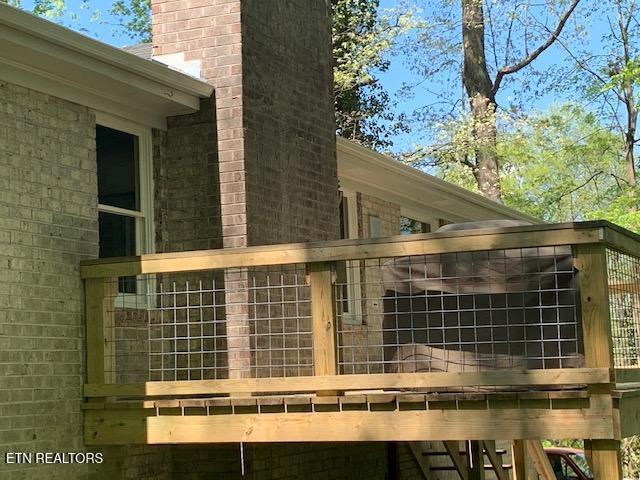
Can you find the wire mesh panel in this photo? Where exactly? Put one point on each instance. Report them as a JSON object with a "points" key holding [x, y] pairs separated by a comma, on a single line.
{"points": [[465, 311], [624, 304], [187, 330], [280, 317], [209, 325]]}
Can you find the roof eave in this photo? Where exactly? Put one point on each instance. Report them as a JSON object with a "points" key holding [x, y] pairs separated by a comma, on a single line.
{"points": [[57, 60], [379, 165]]}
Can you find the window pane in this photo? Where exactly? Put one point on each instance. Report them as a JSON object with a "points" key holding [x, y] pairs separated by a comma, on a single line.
{"points": [[118, 239], [344, 218], [375, 226], [117, 235], [117, 154]]}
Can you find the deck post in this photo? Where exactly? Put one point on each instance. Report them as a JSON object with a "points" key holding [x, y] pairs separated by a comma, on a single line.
{"points": [[323, 319], [591, 262], [519, 460], [99, 296], [605, 458]]}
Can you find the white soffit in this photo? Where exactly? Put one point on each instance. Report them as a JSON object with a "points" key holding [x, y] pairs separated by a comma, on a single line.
{"points": [[363, 170], [43, 56]]}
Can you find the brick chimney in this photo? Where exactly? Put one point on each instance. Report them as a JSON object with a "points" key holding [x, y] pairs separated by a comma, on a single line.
{"points": [[271, 65]]}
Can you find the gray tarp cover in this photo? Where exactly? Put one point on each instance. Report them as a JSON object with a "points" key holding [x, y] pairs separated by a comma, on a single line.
{"points": [[498, 309], [500, 271]]}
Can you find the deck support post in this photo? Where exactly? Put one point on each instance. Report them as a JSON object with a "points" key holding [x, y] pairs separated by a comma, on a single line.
{"points": [[323, 319], [519, 460], [99, 318], [605, 458], [591, 262]]}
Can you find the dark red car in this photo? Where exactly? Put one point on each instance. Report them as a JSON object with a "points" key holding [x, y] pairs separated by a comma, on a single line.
{"points": [[569, 463]]}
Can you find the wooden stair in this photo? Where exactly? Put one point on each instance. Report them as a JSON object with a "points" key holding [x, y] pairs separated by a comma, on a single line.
{"points": [[459, 460], [487, 459]]}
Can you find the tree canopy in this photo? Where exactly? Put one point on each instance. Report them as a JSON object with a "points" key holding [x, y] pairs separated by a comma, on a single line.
{"points": [[362, 39]]}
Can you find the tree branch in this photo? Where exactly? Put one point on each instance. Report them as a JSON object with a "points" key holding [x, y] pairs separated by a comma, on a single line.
{"points": [[582, 64], [536, 53], [589, 180]]}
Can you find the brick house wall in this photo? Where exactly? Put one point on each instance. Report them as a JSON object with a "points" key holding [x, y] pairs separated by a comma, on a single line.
{"points": [[48, 215], [271, 66], [312, 461], [187, 182], [388, 213], [48, 224]]}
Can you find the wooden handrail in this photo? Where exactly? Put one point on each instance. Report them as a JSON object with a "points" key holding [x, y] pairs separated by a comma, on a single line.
{"points": [[496, 378], [420, 244]]}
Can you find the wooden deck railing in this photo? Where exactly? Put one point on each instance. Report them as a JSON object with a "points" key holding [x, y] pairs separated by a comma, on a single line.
{"points": [[302, 344]]}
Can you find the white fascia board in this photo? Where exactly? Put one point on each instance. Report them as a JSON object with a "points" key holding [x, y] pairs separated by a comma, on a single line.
{"points": [[379, 175], [104, 53], [118, 81], [77, 93]]}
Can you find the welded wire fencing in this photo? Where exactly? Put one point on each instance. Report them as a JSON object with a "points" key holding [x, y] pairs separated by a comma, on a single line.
{"points": [[463, 311]]}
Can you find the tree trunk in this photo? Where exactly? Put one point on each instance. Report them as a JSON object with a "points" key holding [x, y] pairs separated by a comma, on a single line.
{"points": [[484, 131], [628, 95], [630, 135], [479, 87]]}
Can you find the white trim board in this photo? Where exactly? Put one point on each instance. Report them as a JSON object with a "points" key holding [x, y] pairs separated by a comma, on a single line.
{"points": [[40, 55], [419, 195], [74, 92], [105, 54]]}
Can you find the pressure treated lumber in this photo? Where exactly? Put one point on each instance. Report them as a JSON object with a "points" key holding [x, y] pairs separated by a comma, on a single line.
{"points": [[459, 463], [495, 460], [100, 293], [323, 320], [519, 460], [628, 412], [424, 244], [122, 427], [605, 458], [567, 376], [591, 262], [540, 460], [417, 448]]}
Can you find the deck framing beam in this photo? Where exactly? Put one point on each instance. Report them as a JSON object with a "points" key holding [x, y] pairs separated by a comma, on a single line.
{"points": [[144, 426]]}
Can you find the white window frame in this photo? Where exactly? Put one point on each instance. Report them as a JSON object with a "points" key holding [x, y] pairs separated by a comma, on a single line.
{"points": [[145, 237], [354, 287]]}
